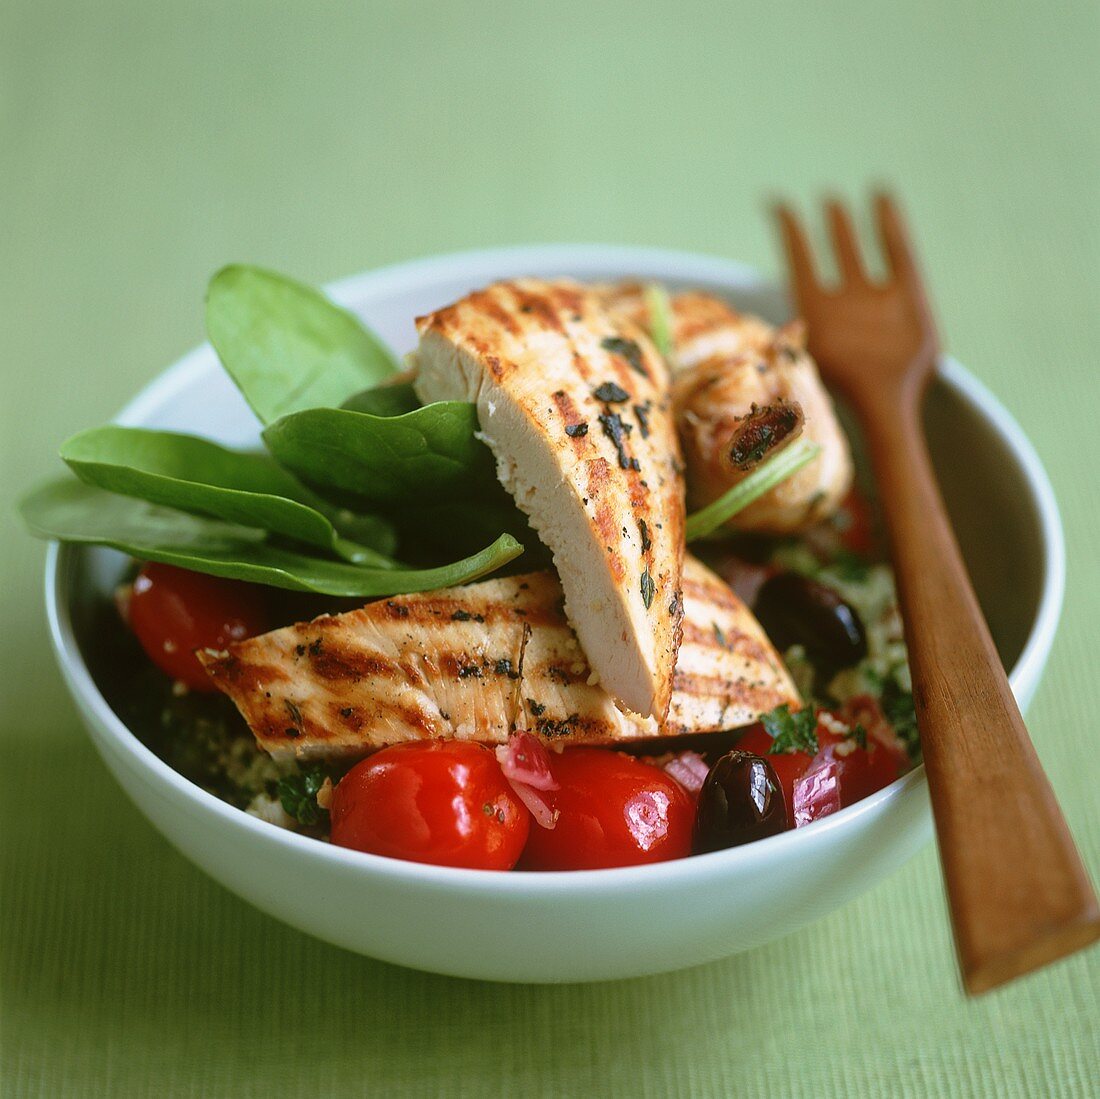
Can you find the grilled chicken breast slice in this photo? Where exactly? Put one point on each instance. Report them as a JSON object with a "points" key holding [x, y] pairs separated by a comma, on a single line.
{"points": [[574, 405], [477, 663], [703, 326], [726, 363]]}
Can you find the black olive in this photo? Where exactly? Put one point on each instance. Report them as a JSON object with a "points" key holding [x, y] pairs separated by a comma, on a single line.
{"points": [[795, 610], [740, 802]]}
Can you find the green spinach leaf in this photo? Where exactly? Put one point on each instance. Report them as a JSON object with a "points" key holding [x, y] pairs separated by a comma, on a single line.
{"points": [[201, 477], [385, 400], [71, 511], [453, 527], [429, 454], [286, 345]]}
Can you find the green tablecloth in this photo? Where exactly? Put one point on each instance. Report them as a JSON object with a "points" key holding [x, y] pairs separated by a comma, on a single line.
{"points": [[142, 145]]}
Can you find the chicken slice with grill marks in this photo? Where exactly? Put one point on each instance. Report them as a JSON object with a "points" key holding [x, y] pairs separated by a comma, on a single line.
{"points": [[729, 364], [478, 662], [575, 406], [702, 326]]}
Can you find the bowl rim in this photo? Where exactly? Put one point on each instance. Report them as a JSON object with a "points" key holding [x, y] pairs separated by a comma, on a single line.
{"points": [[677, 265]]}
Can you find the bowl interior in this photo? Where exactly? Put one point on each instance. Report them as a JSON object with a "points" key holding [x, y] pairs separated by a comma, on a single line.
{"points": [[991, 500]]}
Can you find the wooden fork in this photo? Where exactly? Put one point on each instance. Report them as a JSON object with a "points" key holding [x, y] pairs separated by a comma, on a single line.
{"points": [[1018, 893]]}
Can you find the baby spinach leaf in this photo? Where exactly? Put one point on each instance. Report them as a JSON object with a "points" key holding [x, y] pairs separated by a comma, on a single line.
{"points": [[286, 345], [461, 526], [385, 400], [71, 511], [201, 477], [424, 455]]}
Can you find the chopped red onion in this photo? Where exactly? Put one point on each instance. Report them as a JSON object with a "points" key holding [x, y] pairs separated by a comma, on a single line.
{"points": [[544, 816], [817, 792], [526, 765], [689, 769], [525, 759]]}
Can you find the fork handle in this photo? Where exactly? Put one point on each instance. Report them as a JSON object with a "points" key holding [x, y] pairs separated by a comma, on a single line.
{"points": [[1018, 892]]}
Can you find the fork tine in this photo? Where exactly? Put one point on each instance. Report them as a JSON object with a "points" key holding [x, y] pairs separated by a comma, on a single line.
{"points": [[800, 259], [895, 239], [845, 244]]}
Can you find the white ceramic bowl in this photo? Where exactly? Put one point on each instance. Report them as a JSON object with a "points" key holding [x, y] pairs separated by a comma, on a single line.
{"points": [[590, 925]]}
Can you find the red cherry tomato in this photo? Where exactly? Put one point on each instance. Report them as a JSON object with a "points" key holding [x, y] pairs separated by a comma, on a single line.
{"points": [[445, 802], [174, 611], [861, 771], [613, 811], [858, 535], [789, 766]]}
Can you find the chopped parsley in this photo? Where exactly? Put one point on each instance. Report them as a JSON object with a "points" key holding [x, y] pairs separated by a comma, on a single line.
{"points": [[629, 351], [643, 530], [548, 727], [649, 589], [791, 732], [504, 666], [576, 431], [617, 431], [466, 616], [610, 393], [298, 795]]}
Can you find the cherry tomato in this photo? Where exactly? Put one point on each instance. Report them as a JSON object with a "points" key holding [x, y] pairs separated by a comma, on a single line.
{"points": [[174, 611], [866, 710], [445, 802], [861, 771], [613, 810], [789, 767], [858, 534]]}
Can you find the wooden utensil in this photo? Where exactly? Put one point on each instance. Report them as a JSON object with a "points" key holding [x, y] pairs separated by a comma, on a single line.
{"points": [[1018, 892]]}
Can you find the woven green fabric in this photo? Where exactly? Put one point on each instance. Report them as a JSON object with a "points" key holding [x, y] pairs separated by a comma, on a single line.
{"points": [[143, 145]]}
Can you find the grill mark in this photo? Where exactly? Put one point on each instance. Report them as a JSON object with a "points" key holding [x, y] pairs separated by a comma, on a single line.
{"points": [[583, 366], [557, 671], [739, 644], [639, 493], [334, 663], [460, 665], [570, 416], [598, 478], [705, 639], [439, 613], [248, 676], [486, 301], [342, 715], [414, 718], [571, 300], [697, 685], [544, 309], [575, 727], [717, 595], [478, 344], [697, 315]]}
